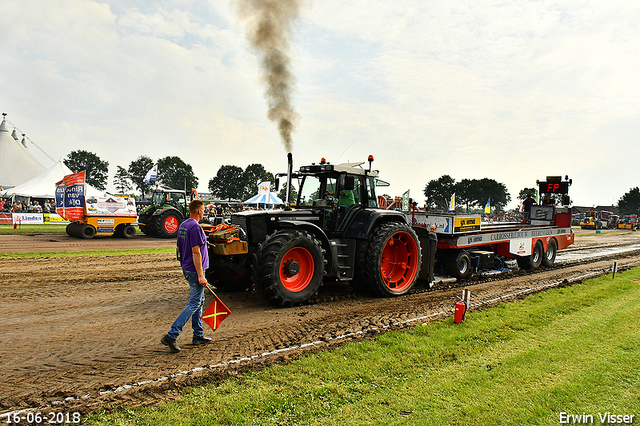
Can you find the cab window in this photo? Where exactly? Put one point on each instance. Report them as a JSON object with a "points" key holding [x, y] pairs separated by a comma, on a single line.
{"points": [[371, 193]]}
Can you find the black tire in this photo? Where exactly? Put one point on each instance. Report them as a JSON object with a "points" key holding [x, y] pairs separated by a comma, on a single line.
{"points": [[549, 257], [227, 280], [87, 231], [128, 231], [117, 233], [534, 260], [167, 223], [393, 259], [460, 267], [145, 226], [360, 282], [73, 229], [290, 267]]}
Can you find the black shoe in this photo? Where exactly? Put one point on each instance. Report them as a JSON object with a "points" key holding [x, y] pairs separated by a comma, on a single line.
{"points": [[168, 341], [201, 340]]}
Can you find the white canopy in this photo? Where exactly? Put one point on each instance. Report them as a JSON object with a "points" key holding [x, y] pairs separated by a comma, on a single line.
{"points": [[265, 198], [17, 164], [43, 185]]}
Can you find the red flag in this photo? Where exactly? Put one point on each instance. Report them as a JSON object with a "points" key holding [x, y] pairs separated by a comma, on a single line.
{"points": [[215, 313]]}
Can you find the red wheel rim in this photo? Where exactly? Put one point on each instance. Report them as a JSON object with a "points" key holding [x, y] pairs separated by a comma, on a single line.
{"points": [[171, 224], [300, 279], [398, 265]]}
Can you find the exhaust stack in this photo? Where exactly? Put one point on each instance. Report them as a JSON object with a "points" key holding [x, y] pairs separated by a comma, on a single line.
{"points": [[289, 173]]}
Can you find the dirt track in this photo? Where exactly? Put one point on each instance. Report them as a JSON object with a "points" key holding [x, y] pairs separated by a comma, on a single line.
{"points": [[76, 327]]}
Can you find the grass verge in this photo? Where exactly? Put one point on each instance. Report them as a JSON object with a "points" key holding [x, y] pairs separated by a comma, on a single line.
{"points": [[81, 253], [571, 350], [33, 229]]}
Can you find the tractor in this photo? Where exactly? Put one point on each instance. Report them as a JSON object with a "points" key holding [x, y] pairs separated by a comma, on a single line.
{"points": [[162, 217], [333, 231]]}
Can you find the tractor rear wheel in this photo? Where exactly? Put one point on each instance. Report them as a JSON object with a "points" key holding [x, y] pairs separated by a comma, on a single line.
{"points": [[290, 267], [534, 260], [549, 257], [167, 223], [393, 259]]}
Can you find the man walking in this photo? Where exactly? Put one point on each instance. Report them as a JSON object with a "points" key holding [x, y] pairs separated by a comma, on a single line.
{"points": [[194, 259]]}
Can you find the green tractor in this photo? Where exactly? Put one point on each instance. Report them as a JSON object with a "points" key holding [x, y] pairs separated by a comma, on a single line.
{"points": [[168, 208]]}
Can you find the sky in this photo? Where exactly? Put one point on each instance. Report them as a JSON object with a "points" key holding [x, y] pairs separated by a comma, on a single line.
{"points": [[508, 90]]}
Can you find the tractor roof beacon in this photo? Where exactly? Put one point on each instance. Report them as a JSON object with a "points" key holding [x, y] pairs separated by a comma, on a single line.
{"points": [[333, 231]]}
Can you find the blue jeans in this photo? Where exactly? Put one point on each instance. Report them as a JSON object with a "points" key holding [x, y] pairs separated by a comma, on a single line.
{"points": [[193, 309]]}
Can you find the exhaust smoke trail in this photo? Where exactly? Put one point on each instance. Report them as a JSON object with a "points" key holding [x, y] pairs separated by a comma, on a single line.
{"points": [[268, 26]]}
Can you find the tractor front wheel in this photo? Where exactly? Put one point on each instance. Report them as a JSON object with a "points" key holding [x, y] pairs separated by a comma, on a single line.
{"points": [[393, 259], [290, 267]]}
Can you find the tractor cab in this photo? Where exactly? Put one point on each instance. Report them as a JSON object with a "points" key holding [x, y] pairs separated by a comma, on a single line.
{"points": [[336, 193]]}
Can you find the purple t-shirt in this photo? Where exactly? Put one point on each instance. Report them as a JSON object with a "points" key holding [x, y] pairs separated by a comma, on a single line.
{"points": [[190, 234]]}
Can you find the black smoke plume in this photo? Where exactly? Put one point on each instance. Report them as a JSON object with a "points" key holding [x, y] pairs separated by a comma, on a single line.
{"points": [[269, 25]]}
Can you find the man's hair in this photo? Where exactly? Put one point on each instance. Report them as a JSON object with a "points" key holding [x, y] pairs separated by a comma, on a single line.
{"points": [[195, 205]]}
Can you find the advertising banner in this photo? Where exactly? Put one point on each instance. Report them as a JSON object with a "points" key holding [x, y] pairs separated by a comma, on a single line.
{"points": [[111, 206], [55, 219], [60, 198], [28, 218], [72, 202]]}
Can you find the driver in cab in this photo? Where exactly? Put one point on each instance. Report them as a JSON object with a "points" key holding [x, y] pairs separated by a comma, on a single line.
{"points": [[346, 197]]}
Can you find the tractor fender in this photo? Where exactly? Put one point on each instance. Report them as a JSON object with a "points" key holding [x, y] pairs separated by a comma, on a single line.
{"points": [[158, 212], [331, 253], [366, 220]]}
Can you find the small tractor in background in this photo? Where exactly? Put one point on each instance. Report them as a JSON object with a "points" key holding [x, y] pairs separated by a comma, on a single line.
{"points": [[593, 220], [163, 216], [628, 221]]}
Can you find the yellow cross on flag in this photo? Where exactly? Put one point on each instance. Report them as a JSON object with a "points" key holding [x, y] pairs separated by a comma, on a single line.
{"points": [[215, 313]]}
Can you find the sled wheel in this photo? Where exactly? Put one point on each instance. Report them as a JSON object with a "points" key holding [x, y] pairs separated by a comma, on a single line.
{"points": [[290, 267], [534, 260], [69, 229], [549, 257], [393, 260], [87, 231], [128, 231], [167, 224], [460, 266]]}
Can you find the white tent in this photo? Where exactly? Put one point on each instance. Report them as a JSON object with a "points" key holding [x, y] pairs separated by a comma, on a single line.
{"points": [[264, 196], [17, 163], [43, 185]]}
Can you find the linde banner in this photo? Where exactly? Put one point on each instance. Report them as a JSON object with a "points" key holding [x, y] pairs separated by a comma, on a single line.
{"points": [[70, 198], [28, 218]]}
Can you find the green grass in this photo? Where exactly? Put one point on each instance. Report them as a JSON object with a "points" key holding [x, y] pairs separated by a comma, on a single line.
{"points": [[125, 252], [573, 350], [33, 229]]}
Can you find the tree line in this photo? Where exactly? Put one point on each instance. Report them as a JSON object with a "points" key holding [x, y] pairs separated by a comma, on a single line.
{"points": [[234, 183]]}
